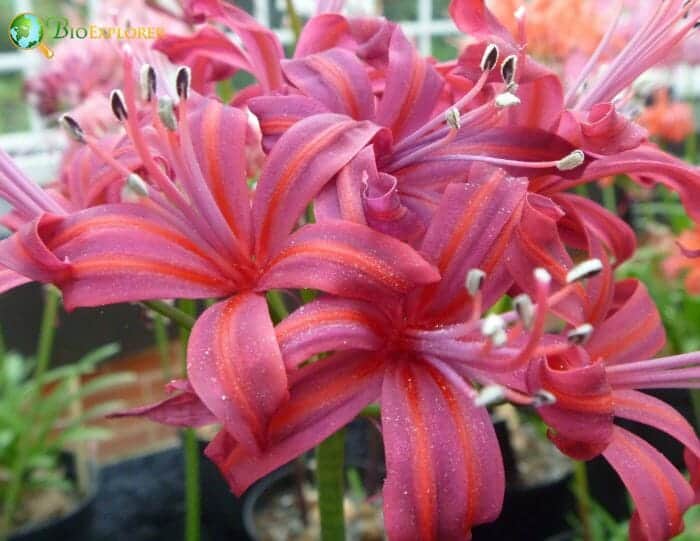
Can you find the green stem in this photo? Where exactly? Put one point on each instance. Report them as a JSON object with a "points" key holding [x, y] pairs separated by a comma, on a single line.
{"points": [[609, 198], [583, 499], [160, 333], [47, 332], [695, 400], [294, 20], [330, 460], [691, 148], [183, 319], [277, 307], [189, 444]]}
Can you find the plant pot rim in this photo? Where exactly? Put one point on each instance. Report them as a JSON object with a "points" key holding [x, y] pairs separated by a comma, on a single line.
{"points": [[88, 499]]}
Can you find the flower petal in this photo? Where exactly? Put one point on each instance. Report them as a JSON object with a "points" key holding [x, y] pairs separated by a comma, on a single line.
{"points": [[329, 324], [9, 279], [471, 229], [183, 409], [444, 469], [347, 259], [324, 397], [473, 18], [632, 332], [305, 158], [337, 79], [412, 89], [236, 368], [661, 495]]}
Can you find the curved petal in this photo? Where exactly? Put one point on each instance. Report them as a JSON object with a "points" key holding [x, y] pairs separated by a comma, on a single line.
{"points": [[651, 411], [323, 32], [276, 114], [305, 158], [9, 279], [219, 141], [444, 469], [632, 332], [183, 409], [236, 368], [337, 79], [661, 495], [347, 259], [471, 229], [581, 420], [412, 89], [330, 324], [115, 253], [323, 397], [473, 18]]}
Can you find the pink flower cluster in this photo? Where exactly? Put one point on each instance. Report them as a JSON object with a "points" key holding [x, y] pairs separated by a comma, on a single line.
{"points": [[437, 188]]}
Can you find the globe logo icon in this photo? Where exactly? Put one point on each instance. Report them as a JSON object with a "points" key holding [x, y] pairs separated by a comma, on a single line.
{"points": [[27, 32]]}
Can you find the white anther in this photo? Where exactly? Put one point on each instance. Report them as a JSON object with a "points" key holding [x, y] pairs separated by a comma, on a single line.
{"points": [[489, 58], [506, 99], [489, 395], [492, 324], [542, 276], [137, 185], [166, 112], [147, 82], [586, 269], [543, 398], [117, 102], [525, 309], [580, 334], [572, 161], [474, 281], [183, 79], [509, 68], [72, 128], [453, 118]]}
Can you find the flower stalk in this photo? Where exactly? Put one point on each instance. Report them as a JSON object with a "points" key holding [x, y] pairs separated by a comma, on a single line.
{"points": [[330, 460], [47, 331]]}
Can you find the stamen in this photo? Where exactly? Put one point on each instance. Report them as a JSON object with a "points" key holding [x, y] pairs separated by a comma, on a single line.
{"points": [[525, 309], [580, 334], [147, 79], [475, 281], [542, 276], [116, 100], [489, 395], [572, 161], [506, 99], [137, 185], [586, 269], [453, 118], [72, 128], [490, 57], [166, 112], [183, 79], [492, 324], [508, 69], [543, 398]]}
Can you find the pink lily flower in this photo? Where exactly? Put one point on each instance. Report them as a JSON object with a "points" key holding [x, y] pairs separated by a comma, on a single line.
{"points": [[195, 233], [597, 379], [417, 356]]}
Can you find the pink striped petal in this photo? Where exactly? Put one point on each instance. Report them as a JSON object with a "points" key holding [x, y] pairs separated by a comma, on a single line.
{"points": [[276, 114], [337, 79], [661, 495], [116, 253], [219, 140], [412, 89], [349, 260], [183, 409], [324, 397], [581, 420], [444, 469], [9, 279], [236, 368], [473, 18], [633, 332], [324, 32], [471, 229], [651, 411], [307, 156], [330, 324]]}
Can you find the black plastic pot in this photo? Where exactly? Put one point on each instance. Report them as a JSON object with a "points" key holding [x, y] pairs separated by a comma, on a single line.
{"points": [[68, 527]]}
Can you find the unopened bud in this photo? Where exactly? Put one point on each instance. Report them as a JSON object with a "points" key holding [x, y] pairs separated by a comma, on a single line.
{"points": [[572, 161], [586, 269]]}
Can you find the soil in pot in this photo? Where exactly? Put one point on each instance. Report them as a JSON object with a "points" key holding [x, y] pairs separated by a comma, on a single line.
{"points": [[272, 511]]}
